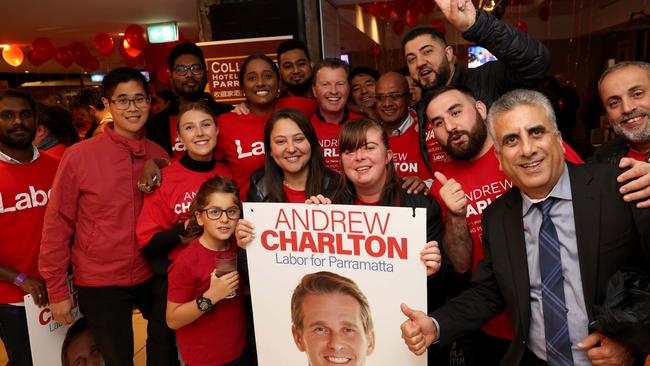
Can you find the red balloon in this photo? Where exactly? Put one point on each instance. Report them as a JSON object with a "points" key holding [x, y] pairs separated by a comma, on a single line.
{"points": [[80, 53], [411, 20], [522, 26], [131, 51], [92, 64], [439, 25], [128, 60], [398, 27], [375, 50], [104, 43], [42, 49], [136, 36], [63, 55], [163, 74], [33, 59]]}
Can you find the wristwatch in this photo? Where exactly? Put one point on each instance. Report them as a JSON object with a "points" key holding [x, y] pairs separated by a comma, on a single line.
{"points": [[204, 304]]}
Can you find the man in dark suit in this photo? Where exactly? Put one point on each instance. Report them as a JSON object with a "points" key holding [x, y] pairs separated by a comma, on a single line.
{"points": [[551, 244]]}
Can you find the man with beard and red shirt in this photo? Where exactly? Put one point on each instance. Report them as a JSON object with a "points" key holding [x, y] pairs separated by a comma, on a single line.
{"points": [[188, 80], [25, 185], [331, 89], [392, 107], [522, 61]]}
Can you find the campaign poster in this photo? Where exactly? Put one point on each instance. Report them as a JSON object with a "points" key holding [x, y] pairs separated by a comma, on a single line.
{"points": [[223, 59], [47, 336], [327, 282]]}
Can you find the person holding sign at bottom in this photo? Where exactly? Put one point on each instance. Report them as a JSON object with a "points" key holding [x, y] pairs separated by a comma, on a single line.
{"points": [[331, 320], [210, 322]]}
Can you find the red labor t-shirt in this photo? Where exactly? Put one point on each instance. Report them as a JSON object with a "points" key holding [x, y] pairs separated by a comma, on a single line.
{"points": [[170, 204], [217, 337], [483, 182], [437, 155], [240, 144], [294, 196], [328, 137], [406, 153], [24, 194]]}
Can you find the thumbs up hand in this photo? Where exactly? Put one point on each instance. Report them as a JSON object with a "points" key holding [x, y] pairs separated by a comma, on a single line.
{"points": [[418, 331], [452, 194]]}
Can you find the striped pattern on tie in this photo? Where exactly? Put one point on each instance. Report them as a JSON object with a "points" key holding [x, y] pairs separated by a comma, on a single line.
{"points": [[558, 344]]}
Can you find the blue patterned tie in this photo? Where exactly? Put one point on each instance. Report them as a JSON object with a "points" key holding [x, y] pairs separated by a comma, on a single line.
{"points": [[558, 345]]}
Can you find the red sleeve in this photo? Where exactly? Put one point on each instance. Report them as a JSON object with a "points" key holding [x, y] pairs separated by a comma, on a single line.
{"points": [[58, 229], [181, 285], [570, 155], [155, 217]]}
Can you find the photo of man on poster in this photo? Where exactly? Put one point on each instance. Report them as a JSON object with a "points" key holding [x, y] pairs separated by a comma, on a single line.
{"points": [[331, 320]]}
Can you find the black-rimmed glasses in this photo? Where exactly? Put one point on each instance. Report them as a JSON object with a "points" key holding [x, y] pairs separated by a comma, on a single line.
{"points": [[183, 69], [124, 103], [214, 213]]}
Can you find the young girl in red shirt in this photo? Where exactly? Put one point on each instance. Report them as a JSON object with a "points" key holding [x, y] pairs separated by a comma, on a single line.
{"points": [[207, 310]]}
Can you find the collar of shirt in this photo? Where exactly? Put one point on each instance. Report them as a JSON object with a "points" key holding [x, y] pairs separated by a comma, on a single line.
{"points": [[408, 122], [562, 190], [320, 116], [137, 146], [8, 159]]}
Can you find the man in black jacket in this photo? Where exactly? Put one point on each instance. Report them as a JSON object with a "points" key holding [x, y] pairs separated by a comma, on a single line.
{"points": [[188, 80], [523, 61]]}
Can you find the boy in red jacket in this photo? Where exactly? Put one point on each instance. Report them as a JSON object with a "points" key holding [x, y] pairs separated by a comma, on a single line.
{"points": [[91, 219]]}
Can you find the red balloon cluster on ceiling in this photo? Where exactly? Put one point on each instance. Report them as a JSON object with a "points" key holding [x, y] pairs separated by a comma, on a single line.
{"points": [[400, 13], [42, 50]]}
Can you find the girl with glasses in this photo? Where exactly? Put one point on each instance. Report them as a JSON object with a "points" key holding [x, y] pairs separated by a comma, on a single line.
{"points": [[205, 307]]}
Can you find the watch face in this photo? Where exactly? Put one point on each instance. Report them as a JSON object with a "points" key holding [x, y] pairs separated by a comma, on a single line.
{"points": [[203, 304]]}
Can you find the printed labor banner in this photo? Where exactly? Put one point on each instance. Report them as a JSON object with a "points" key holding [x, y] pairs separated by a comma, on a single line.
{"points": [[55, 344], [223, 59], [327, 282]]}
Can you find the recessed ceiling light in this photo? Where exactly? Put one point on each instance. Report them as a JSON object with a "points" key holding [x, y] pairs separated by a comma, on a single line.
{"points": [[26, 71], [121, 34], [4, 45]]}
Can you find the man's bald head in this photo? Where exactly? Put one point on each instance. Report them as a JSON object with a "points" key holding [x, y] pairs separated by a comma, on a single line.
{"points": [[393, 99]]}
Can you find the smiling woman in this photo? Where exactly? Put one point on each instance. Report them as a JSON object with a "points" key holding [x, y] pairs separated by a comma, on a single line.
{"points": [[293, 169]]}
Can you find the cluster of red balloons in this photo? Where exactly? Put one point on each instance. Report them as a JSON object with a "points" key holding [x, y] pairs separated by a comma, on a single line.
{"points": [[135, 41], [401, 12]]}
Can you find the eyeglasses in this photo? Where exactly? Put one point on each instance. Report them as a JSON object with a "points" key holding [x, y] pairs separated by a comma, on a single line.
{"points": [[391, 97], [10, 116], [183, 69], [214, 213], [124, 103]]}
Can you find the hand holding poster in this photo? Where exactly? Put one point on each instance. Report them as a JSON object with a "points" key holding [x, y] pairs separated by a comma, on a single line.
{"points": [[55, 344], [327, 282]]}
